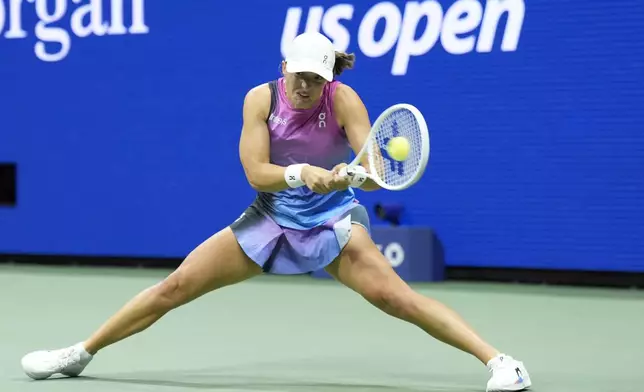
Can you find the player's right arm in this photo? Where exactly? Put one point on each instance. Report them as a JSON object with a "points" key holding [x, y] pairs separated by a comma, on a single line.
{"points": [[254, 144], [254, 149]]}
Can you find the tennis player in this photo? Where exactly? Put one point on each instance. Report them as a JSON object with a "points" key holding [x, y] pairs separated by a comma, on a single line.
{"points": [[297, 132]]}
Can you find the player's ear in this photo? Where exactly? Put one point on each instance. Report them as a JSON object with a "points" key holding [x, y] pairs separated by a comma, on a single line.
{"points": [[283, 67]]}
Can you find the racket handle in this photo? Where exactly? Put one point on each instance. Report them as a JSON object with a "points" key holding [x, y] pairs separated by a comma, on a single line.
{"points": [[358, 175], [346, 172]]}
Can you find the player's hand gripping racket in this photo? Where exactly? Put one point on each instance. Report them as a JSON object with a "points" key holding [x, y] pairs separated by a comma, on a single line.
{"points": [[397, 150]]}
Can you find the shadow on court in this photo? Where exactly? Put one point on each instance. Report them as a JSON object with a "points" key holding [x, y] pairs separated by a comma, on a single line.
{"points": [[250, 383]]}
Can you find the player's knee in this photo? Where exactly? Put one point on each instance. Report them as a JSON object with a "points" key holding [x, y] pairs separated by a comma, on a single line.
{"points": [[392, 299], [169, 294]]}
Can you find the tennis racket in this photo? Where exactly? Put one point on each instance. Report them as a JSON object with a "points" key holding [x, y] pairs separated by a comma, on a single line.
{"points": [[400, 120]]}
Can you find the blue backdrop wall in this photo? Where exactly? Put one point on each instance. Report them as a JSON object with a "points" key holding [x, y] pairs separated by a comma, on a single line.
{"points": [[123, 117]]}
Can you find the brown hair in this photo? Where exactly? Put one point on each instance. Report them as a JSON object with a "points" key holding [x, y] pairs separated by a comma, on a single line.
{"points": [[343, 61]]}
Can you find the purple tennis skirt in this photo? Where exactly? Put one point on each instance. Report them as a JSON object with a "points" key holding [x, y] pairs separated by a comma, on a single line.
{"points": [[284, 251]]}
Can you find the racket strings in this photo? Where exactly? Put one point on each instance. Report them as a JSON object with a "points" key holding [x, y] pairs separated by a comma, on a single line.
{"points": [[401, 122]]}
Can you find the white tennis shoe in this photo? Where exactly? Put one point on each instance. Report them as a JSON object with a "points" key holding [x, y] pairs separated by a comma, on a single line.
{"points": [[70, 361], [508, 374]]}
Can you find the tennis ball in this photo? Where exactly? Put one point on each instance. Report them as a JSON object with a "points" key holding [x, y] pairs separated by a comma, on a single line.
{"points": [[398, 148]]}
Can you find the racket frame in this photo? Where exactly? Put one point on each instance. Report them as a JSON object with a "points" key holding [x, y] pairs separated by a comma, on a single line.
{"points": [[424, 153]]}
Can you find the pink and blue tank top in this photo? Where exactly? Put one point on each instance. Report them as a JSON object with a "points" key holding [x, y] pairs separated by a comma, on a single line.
{"points": [[305, 136]]}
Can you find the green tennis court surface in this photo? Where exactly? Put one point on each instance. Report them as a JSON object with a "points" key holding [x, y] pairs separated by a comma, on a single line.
{"points": [[301, 334]]}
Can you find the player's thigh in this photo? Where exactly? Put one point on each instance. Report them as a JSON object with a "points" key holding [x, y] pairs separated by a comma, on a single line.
{"points": [[363, 268], [217, 262]]}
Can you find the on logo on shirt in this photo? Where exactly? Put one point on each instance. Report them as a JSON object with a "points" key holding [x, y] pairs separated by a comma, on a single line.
{"points": [[322, 118]]}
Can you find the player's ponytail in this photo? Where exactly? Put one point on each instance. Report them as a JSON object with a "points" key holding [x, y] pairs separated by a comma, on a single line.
{"points": [[343, 61]]}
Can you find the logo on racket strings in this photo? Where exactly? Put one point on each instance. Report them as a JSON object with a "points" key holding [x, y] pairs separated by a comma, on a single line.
{"points": [[397, 167]]}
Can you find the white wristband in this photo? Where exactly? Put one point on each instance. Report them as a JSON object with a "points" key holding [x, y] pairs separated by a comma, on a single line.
{"points": [[293, 175]]}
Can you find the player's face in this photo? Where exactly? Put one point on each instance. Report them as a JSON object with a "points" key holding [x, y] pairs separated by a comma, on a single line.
{"points": [[304, 88]]}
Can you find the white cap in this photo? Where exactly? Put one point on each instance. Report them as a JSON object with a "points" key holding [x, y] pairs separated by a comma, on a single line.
{"points": [[311, 52]]}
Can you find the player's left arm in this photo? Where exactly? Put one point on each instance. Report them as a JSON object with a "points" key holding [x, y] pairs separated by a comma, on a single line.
{"points": [[352, 115]]}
